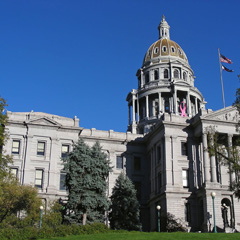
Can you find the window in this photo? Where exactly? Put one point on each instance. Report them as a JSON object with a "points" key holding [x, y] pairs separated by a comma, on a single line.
{"points": [[165, 73], [164, 48], [137, 163], [65, 150], [176, 73], [156, 50], [180, 52], [184, 149], [14, 172], [167, 105], [147, 77], [41, 148], [173, 49], [159, 181], [185, 178], [184, 76], [62, 185], [16, 147], [39, 178], [156, 75], [119, 163]]}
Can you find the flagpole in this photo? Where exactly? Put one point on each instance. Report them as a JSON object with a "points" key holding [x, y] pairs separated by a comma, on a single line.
{"points": [[221, 77]]}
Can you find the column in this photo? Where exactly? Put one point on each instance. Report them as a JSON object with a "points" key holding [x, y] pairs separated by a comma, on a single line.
{"points": [[168, 161], [133, 109], [160, 102], [147, 107], [231, 174], [205, 158], [189, 111], [141, 78], [196, 106], [138, 110], [213, 164]]}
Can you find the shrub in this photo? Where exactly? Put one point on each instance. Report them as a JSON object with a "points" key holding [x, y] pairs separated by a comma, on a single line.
{"points": [[169, 223]]}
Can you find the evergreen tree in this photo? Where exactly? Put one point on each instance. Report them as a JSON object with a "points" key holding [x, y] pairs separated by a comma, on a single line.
{"points": [[87, 170], [125, 206]]}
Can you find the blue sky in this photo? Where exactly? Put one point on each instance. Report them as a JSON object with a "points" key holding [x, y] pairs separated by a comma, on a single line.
{"points": [[74, 57]]}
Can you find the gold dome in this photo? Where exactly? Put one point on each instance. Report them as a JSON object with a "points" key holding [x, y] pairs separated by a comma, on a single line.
{"points": [[163, 49]]}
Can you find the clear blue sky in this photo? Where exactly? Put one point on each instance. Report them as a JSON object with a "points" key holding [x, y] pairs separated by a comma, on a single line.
{"points": [[75, 57]]}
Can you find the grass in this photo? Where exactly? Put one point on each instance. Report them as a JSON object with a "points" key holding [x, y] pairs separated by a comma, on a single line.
{"points": [[152, 236]]}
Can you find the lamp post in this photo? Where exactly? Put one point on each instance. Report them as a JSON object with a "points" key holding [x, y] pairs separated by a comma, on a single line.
{"points": [[213, 194], [158, 210], [40, 222]]}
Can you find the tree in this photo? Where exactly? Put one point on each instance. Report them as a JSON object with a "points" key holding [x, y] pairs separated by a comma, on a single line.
{"points": [[5, 160], [14, 197], [124, 209], [87, 170]]}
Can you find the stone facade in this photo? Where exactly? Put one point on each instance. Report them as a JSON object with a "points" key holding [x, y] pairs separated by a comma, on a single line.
{"points": [[164, 151]]}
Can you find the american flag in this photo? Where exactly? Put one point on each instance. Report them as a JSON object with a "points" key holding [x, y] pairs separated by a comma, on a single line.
{"points": [[225, 59]]}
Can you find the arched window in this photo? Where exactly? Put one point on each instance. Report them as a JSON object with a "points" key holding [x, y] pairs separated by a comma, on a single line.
{"points": [[156, 75], [164, 48], [165, 73], [184, 76], [176, 73]]}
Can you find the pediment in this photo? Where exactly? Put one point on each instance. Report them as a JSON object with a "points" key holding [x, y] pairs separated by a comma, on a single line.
{"points": [[229, 114], [43, 121]]}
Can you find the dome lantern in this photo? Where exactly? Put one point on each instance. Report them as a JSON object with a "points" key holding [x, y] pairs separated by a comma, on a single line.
{"points": [[164, 29]]}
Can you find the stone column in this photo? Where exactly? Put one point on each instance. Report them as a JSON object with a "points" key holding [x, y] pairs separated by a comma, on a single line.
{"points": [[133, 109], [205, 158], [159, 102], [213, 164], [231, 174], [147, 107], [52, 170], [141, 79], [196, 106], [138, 110], [168, 161], [189, 111]]}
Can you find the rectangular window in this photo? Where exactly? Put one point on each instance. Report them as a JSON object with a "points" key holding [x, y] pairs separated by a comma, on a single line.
{"points": [[119, 163], [65, 150], [184, 148], [41, 148], [137, 163], [62, 186], [39, 178], [16, 147], [185, 178], [14, 172]]}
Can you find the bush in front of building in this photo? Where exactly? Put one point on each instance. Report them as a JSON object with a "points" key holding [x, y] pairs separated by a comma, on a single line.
{"points": [[169, 223], [46, 231]]}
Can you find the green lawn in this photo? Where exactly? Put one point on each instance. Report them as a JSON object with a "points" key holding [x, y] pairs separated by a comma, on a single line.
{"points": [[153, 236]]}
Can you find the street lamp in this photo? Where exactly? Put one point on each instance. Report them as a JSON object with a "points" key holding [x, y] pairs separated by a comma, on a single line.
{"points": [[41, 210], [213, 194], [158, 210]]}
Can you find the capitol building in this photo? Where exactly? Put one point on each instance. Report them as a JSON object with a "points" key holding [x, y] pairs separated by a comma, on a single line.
{"points": [[164, 150]]}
